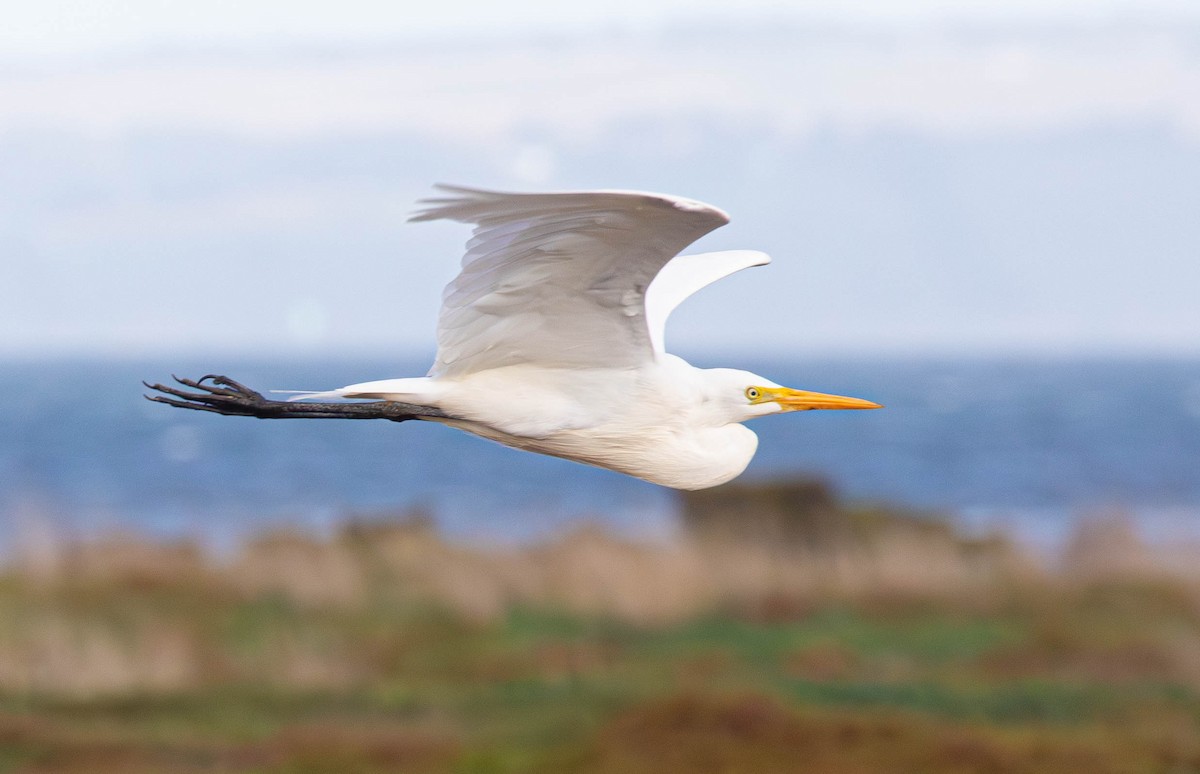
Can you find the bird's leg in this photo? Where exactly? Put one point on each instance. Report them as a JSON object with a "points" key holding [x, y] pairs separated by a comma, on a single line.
{"points": [[223, 395]]}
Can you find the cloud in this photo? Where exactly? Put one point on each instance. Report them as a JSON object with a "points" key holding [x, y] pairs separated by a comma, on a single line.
{"points": [[920, 189], [943, 81]]}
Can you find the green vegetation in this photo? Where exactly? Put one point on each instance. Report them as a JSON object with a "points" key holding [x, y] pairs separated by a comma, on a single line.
{"points": [[818, 639], [420, 689]]}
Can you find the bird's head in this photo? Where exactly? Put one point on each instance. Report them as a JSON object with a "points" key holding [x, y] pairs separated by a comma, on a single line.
{"points": [[744, 395]]}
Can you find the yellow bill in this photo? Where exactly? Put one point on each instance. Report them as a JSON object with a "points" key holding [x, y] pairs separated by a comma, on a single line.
{"points": [[803, 400]]}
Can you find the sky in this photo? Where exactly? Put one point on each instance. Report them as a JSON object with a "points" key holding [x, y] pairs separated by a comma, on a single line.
{"points": [[75, 27], [936, 178]]}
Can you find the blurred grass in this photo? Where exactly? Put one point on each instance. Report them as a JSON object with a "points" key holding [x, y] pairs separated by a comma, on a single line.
{"points": [[844, 650]]}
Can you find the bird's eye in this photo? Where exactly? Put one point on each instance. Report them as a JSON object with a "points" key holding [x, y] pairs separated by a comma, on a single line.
{"points": [[752, 393]]}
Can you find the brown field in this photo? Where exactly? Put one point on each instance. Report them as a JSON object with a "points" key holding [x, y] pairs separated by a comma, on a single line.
{"points": [[781, 631]]}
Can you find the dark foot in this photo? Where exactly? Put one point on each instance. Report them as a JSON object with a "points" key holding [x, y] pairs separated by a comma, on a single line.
{"points": [[225, 396]]}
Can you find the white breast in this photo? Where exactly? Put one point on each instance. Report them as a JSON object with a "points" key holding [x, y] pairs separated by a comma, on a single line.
{"points": [[642, 423]]}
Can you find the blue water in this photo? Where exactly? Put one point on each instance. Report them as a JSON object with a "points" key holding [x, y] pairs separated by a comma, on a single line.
{"points": [[1026, 444]]}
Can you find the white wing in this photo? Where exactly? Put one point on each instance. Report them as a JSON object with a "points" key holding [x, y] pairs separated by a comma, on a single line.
{"points": [[683, 276], [558, 279]]}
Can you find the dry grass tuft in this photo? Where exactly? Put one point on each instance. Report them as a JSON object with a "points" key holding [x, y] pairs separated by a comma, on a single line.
{"points": [[125, 615]]}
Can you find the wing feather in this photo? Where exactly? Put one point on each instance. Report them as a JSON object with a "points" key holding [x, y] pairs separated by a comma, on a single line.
{"points": [[557, 279], [686, 274]]}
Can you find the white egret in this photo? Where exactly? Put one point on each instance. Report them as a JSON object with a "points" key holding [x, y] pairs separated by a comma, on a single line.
{"points": [[550, 339]]}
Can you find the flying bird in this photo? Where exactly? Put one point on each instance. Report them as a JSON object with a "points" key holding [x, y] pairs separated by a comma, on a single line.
{"points": [[551, 339]]}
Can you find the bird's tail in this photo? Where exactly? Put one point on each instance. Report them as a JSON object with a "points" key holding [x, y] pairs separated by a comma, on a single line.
{"points": [[420, 390], [309, 394]]}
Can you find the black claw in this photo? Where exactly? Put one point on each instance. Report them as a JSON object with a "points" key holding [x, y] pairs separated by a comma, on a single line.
{"points": [[190, 405], [209, 399], [197, 385], [227, 382]]}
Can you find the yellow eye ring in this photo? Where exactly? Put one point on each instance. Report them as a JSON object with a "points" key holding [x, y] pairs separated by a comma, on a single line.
{"points": [[753, 393]]}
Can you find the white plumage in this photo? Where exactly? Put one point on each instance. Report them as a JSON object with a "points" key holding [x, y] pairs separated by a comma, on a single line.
{"points": [[551, 338]]}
